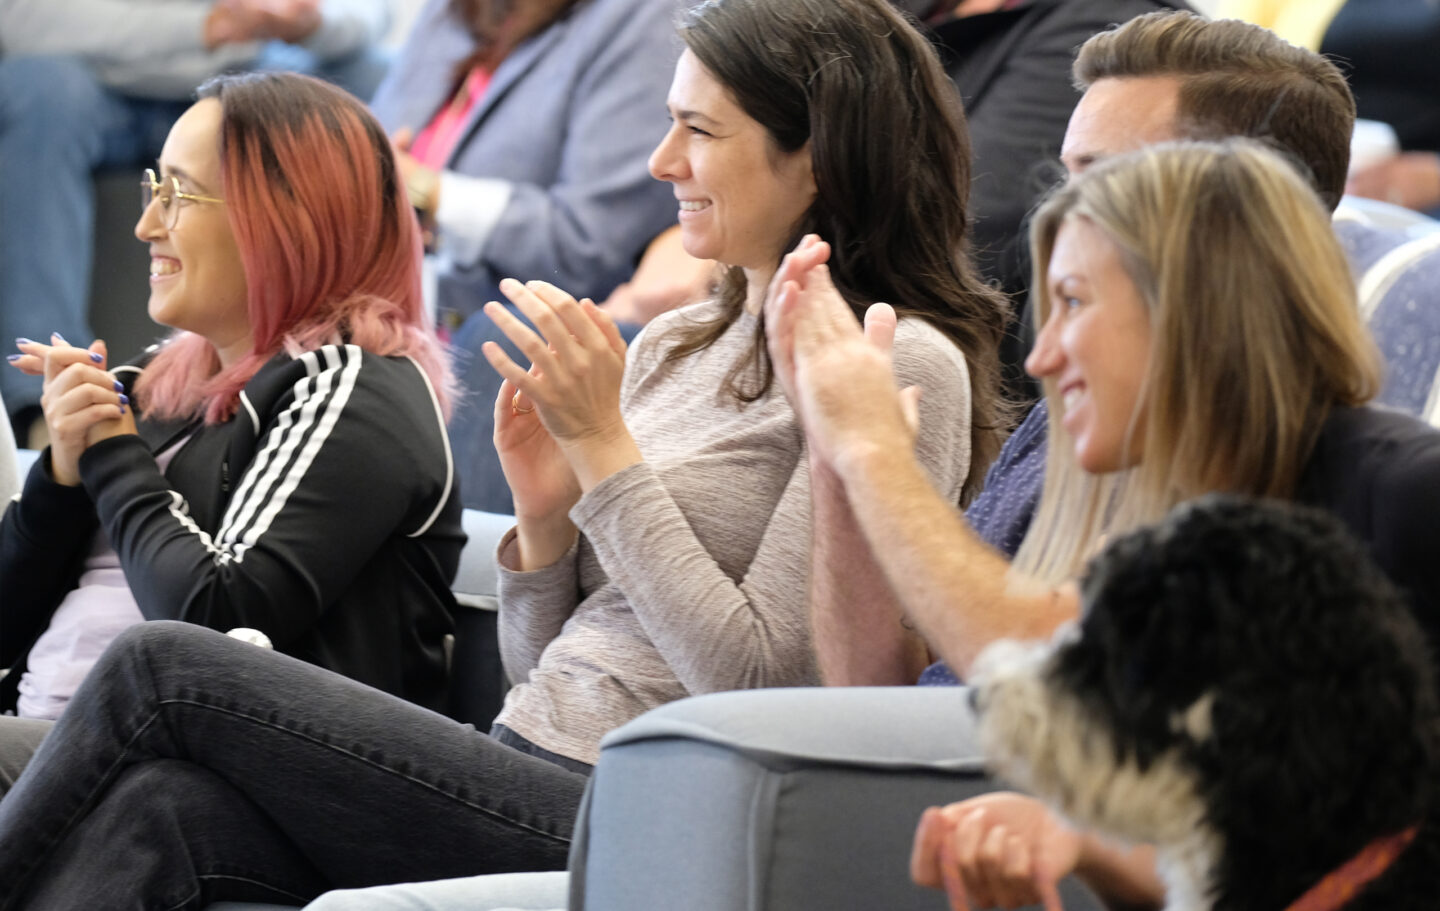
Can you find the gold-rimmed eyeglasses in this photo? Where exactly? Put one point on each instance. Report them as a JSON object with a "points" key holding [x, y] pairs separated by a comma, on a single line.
{"points": [[167, 190]]}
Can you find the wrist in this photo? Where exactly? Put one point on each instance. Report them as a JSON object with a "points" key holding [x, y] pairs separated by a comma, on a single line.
{"points": [[870, 461], [540, 542], [64, 472], [597, 454]]}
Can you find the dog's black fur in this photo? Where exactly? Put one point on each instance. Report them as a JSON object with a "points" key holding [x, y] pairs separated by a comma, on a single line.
{"points": [[1324, 729]]}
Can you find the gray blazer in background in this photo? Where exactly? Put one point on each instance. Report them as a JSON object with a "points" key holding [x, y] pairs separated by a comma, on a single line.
{"points": [[555, 152]]}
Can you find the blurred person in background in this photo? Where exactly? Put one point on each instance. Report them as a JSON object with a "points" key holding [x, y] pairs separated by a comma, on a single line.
{"points": [[1387, 50], [522, 129]]}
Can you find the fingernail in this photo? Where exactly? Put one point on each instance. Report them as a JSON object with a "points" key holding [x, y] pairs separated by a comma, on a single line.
{"points": [[60, 337], [23, 341], [119, 387], [124, 400], [12, 358], [97, 357]]}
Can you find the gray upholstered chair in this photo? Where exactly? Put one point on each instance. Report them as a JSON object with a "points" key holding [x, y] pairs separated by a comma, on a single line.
{"points": [[1395, 254], [775, 800]]}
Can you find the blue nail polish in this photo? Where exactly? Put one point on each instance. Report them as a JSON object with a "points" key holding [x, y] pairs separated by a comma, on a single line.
{"points": [[23, 341], [12, 358], [124, 400], [97, 357], [119, 387], [60, 337]]}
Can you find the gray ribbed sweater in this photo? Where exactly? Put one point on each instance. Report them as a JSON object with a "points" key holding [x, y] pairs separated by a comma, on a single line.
{"points": [[690, 572]]}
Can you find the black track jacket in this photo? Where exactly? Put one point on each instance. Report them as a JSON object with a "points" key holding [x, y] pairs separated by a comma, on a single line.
{"points": [[324, 514]]}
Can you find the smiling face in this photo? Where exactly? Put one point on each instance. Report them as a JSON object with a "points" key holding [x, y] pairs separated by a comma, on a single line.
{"points": [[1095, 346], [740, 196], [197, 280]]}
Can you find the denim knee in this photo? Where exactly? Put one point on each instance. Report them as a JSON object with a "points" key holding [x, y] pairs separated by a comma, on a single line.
{"points": [[152, 637], [51, 96]]}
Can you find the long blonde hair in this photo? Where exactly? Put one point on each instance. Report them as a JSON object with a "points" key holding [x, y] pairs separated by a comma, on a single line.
{"points": [[1255, 336]]}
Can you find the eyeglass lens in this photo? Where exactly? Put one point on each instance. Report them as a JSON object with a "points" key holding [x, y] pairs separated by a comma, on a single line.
{"points": [[151, 187]]}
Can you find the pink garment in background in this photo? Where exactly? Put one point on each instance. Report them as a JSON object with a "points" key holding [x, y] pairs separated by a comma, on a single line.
{"points": [[437, 141]]}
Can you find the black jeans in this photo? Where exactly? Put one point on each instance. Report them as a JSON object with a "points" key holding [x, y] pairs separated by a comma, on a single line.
{"points": [[191, 767]]}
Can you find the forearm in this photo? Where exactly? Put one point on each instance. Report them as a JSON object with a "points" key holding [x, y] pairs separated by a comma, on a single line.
{"points": [[542, 541], [855, 618], [1124, 878], [958, 592], [534, 605], [716, 629]]}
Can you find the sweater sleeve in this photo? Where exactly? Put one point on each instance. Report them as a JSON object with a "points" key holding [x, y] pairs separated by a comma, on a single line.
{"points": [[718, 633], [714, 632], [352, 454], [926, 358], [533, 606]]}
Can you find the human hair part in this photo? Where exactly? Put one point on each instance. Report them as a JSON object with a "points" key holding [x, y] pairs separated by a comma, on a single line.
{"points": [[329, 245], [891, 159], [499, 26], [1255, 336], [1236, 79]]}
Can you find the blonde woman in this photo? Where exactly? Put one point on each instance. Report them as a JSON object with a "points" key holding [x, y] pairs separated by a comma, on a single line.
{"points": [[1199, 332]]}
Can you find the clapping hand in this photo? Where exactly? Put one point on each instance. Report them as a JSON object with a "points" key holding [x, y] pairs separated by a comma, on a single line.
{"points": [[579, 359], [837, 376], [558, 428]]}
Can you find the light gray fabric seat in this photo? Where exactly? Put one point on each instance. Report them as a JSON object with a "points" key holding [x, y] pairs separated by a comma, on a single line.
{"points": [[775, 800]]}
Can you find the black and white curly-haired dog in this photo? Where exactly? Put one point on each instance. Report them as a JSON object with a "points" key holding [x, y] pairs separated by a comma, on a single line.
{"points": [[1250, 694]]}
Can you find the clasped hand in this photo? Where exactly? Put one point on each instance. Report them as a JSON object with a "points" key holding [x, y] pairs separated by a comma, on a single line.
{"points": [[999, 850], [83, 403]]}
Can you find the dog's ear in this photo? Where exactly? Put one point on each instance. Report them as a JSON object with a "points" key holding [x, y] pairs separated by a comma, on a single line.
{"points": [[1147, 650], [1322, 704]]}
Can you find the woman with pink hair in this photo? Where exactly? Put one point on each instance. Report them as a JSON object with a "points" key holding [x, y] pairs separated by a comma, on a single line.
{"points": [[280, 463]]}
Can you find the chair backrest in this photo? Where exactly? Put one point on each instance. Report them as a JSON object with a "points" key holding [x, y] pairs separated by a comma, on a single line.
{"points": [[1398, 281], [775, 800]]}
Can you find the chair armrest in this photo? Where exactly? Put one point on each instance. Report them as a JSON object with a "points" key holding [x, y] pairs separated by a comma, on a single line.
{"points": [[800, 799], [476, 582]]}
